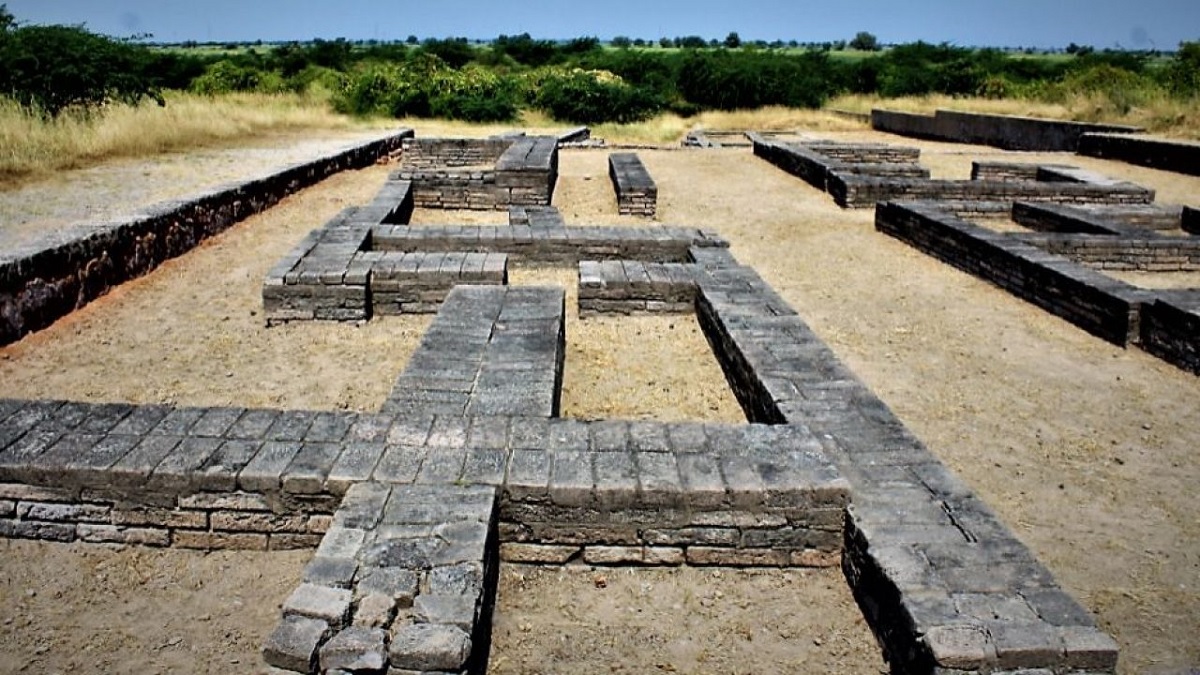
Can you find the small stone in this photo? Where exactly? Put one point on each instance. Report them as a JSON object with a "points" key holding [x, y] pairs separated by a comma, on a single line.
{"points": [[355, 649], [375, 611], [293, 644], [454, 610], [331, 605], [427, 646], [398, 584]]}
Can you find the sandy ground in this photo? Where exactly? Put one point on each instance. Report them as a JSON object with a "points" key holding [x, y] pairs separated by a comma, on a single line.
{"points": [[32, 211], [1084, 449]]}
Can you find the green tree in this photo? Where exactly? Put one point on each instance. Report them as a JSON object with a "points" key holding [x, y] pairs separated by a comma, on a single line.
{"points": [[733, 40], [53, 68], [622, 42], [1183, 72], [7, 20], [865, 42]]}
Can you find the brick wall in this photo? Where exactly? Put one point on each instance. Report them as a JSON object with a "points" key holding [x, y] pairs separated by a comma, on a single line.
{"points": [[1001, 131], [38, 289]]}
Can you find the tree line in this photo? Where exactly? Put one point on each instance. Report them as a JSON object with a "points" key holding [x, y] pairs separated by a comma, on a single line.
{"points": [[52, 69]]}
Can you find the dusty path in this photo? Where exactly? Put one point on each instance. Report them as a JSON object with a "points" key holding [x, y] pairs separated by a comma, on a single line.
{"points": [[122, 188], [1086, 450]]}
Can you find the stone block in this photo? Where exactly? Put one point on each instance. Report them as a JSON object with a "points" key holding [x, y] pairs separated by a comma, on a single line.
{"points": [[451, 610], [429, 647], [355, 649], [330, 605], [294, 643]]}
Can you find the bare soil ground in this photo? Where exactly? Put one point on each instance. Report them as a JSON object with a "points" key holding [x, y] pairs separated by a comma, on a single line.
{"points": [[34, 210], [1086, 450]]}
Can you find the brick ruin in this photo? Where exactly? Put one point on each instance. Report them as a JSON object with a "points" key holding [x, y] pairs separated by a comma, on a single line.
{"points": [[637, 195], [411, 509], [1059, 266], [861, 175], [1079, 224], [480, 174]]}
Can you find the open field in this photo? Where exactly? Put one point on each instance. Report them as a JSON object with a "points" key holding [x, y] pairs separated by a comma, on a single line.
{"points": [[1084, 449]]}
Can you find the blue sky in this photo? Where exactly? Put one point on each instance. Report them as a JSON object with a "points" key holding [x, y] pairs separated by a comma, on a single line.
{"points": [[1017, 23]]}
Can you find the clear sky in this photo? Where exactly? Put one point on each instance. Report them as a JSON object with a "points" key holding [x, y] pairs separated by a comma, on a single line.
{"points": [[1137, 24]]}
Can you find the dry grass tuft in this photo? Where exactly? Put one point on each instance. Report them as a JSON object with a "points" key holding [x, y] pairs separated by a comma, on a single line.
{"points": [[31, 145]]}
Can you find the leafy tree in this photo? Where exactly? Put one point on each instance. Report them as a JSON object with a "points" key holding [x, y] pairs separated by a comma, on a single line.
{"points": [[622, 42], [1183, 73], [733, 40], [666, 42], [581, 45], [865, 42], [53, 68], [455, 52], [525, 50], [7, 20], [412, 40]]}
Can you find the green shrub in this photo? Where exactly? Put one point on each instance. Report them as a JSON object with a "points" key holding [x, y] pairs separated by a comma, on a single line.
{"points": [[593, 97], [1182, 74], [740, 80], [473, 94], [224, 77], [53, 68], [425, 87]]}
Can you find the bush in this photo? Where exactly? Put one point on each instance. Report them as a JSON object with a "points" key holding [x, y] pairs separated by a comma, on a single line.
{"points": [[1182, 74], [224, 77], [593, 97], [729, 81], [53, 68], [425, 87], [473, 94]]}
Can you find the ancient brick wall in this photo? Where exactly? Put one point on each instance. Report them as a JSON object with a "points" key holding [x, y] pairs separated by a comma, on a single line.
{"points": [[1158, 153], [38, 289], [1001, 131]]}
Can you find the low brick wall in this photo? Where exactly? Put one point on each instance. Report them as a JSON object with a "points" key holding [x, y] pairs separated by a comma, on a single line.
{"points": [[38, 289], [1144, 253], [418, 282], [523, 172], [1001, 131], [1170, 328], [637, 194], [814, 162], [1136, 220], [636, 287], [546, 245], [535, 216], [859, 191], [863, 184], [208, 521], [425, 154], [1157, 153], [1101, 305]]}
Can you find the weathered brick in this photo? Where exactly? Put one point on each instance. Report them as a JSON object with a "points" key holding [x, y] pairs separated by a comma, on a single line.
{"points": [[537, 553], [241, 521], [331, 605], [160, 518], [63, 513], [293, 644], [209, 541], [142, 536]]}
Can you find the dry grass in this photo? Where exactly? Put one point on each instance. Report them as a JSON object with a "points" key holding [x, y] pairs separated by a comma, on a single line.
{"points": [[31, 146], [1159, 114]]}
